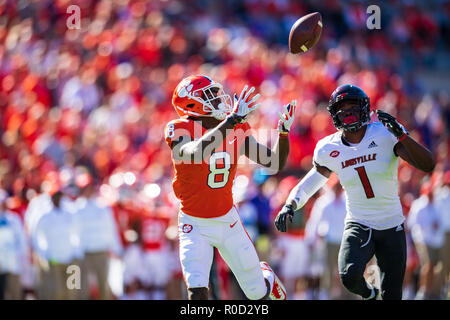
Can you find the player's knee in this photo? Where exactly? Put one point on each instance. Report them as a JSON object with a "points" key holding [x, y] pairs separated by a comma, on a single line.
{"points": [[256, 291], [196, 280], [351, 277]]}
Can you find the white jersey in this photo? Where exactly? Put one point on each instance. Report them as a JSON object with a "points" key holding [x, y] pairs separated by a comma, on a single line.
{"points": [[367, 172]]}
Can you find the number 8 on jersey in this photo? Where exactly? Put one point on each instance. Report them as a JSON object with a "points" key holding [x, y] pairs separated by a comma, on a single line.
{"points": [[219, 175]]}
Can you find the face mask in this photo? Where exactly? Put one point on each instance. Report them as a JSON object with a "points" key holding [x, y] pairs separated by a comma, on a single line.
{"points": [[348, 116], [216, 101]]}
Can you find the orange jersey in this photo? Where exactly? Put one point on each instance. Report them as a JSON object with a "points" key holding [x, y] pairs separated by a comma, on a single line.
{"points": [[205, 188]]}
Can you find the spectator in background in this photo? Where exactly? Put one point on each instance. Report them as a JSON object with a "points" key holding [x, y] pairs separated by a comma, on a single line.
{"points": [[134, 267], [249, 217], [156, 250], [327, 223], [176, 288], [442, 202], [261, 202], [98, 239], [38, 206], [58, 246], [427, 232], [412, 263], [13, 252], [294, 266]]}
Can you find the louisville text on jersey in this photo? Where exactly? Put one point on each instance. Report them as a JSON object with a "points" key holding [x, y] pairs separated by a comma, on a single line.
{"points": [[358, 160]]}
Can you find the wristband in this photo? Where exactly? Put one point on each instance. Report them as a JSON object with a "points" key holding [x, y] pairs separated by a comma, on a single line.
{"points": [[289, 206], [234, 119], [402, 137]]}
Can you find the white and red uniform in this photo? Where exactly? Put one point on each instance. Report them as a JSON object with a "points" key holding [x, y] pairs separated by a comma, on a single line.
{"points": [[156, 249], [296, 255], [367, 172], [207, 216]]}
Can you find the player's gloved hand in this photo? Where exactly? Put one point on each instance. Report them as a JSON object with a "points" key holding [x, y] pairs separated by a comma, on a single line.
{"points": [[280, 220], [287, 117], [244, 105], [392, 124]]}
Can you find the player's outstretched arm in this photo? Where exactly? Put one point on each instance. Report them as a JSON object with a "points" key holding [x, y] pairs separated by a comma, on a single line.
{"points": [[407, 148], [305, 189], [214, 137], [276, 158]]}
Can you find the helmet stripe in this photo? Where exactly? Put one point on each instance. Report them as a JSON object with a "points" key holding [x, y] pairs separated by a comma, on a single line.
{"points": [[208, 78]]}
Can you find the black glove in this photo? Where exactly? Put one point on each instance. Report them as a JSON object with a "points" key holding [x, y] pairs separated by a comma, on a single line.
{"points": [[280, 220], [391, 124]]}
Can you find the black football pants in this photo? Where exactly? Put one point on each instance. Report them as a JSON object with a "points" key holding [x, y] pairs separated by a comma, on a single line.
{"points": [[3, 278], [359, 244]]}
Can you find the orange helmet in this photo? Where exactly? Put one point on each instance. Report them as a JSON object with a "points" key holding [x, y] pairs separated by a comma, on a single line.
{"points": [[201, 96]]}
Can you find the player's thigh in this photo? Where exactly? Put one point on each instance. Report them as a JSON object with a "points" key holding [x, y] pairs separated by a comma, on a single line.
{"points": [[391, 251], [241, 257], [195, 252], [356, 250], [391, 259]]}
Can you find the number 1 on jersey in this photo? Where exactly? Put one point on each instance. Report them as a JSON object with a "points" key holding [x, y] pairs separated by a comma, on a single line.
{"points": [[365, 182]]}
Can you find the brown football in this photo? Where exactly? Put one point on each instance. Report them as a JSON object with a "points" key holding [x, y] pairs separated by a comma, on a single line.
{"points": [[305, 33]]}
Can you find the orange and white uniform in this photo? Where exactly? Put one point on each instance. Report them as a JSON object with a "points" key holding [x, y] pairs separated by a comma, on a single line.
{"points": [[207, 216], [205, 189]]}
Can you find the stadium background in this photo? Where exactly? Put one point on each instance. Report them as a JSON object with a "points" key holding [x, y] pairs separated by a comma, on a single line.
{"points": [[93, 103]]}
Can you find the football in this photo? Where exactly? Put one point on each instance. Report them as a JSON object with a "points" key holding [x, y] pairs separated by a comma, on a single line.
{"points": [[305, 33]]}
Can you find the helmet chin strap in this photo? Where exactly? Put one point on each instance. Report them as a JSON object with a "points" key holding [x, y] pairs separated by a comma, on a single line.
{"points": [[216, 114], [223, 109], [355, 128], [351, 127], [220, 117], [219, 114]]}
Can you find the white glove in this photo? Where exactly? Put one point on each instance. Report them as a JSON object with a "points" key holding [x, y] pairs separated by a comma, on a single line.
{"points": [[242, 107], [287, 117]]}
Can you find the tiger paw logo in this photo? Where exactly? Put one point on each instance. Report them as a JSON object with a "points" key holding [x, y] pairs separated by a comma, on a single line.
{"points": [[186, 90], [187, 228]]}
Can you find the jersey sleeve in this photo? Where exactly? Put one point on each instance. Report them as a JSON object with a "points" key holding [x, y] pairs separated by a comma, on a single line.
{"points": [[245, 126], [390, 139], [176, 129], [318, 157], [243, 131]]}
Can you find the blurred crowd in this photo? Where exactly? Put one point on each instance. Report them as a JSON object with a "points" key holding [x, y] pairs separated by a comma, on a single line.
{"points": [[85, 175]]}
